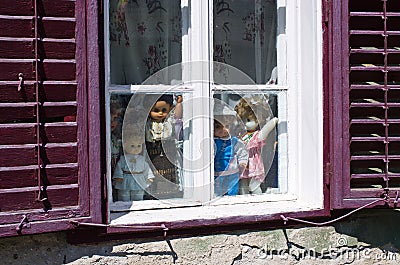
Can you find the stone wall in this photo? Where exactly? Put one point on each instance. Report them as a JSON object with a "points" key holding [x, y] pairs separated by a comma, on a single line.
{"points": [[369, 237]]}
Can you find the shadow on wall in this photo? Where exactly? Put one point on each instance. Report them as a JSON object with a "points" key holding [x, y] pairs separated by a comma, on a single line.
{"points": [[369, 235], [378, 227]]}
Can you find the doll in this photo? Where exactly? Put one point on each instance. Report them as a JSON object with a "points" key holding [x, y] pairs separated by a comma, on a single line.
{"points": [[132, 174], [255, 139], [115, 117], [230, 155], [115, 139], [161, 145]]}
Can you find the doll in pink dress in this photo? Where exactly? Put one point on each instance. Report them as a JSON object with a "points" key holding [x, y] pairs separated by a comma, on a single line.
{"points": [[255, 139]]}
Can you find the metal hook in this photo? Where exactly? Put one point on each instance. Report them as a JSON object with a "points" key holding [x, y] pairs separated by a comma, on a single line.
{"points": [[21, 81]]}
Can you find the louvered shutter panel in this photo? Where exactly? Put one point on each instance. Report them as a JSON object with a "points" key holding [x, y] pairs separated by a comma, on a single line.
{"points": [[366, 95], [43, 115]]}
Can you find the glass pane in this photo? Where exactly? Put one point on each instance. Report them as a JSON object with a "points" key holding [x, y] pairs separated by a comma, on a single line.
{"points": [[145, 36], [245, 144], [146, 146], [245, 37]]}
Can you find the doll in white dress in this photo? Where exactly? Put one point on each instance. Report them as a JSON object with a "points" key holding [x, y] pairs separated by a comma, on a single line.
{"points": [[132, 174]]}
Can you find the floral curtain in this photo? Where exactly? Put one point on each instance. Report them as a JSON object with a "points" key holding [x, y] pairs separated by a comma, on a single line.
{"points": [[145, 36], [245, 36]]}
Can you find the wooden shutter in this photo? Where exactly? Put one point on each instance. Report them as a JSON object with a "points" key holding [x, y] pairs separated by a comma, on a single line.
{"points": [[44, 170], [365, 100]]}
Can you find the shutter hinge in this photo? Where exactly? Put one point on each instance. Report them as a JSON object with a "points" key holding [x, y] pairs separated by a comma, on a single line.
{"points": [[328, 174], [327, 11]]}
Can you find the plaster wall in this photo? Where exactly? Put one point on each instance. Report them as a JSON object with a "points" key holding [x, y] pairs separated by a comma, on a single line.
{"points": [[370, 237]]}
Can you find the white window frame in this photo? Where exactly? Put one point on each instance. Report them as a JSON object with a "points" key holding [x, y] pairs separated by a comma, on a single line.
{"points": [[300, 137]]}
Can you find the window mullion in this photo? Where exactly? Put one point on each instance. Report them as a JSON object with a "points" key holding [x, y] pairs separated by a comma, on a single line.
{"points": [[198, 75]]}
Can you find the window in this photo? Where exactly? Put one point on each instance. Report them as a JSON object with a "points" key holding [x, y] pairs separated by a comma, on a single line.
{"points": [[329, 74], [190, 61]]}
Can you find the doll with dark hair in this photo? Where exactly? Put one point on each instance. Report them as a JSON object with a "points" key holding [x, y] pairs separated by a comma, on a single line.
{"points": [[161, 145]]}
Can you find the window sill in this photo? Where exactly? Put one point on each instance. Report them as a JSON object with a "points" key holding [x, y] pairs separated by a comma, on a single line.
{"points": [[211, 214]]}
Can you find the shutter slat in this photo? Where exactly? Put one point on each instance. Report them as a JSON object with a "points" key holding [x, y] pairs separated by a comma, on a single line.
{"points": [[9, 70], [374, 68], [17, 112], [60, 132], [57, 110], [57, 174], [373, 121], [374, 14], [23, 27], [49, 91], [372, 139], [20, 155], [59, 153], [17, 49], [25, 133], [16, 27], [59, 8], [371, 192], [17, 155], [62, 71], [49, 70], [52, 48], [34, 215], [372, 87], [17, 133], [64, 49], [374, 32], [374, 157], [16, 8], [24, 198], [56, 28]]}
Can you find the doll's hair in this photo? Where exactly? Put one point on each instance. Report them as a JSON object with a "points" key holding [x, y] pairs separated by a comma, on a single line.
{"points": [[115, 107], [151, 99], [169, 99], [256, 106]]}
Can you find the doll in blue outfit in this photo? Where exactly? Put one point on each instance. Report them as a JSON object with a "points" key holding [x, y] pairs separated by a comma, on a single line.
{"points": [[132, 175], [230, 157]]}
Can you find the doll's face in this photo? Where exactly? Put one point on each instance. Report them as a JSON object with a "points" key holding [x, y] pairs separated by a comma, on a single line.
{"points": [[220, 130], [250, 122], [114, 121], [160, 111], [133, 146]]}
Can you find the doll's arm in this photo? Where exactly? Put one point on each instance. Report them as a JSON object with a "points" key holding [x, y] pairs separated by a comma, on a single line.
{"points": [[178, 107], [241, 153], [118, 174], [242, 156], [148, 173], [267, 128]]}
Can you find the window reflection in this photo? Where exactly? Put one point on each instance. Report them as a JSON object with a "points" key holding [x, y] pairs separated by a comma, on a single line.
{"points": [[245, 37], [145, 36], [146, 148], [245, 144]]}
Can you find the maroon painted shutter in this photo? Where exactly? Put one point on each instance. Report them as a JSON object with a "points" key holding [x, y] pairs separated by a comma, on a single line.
{"points": [[366, 100], [43, 115]]}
